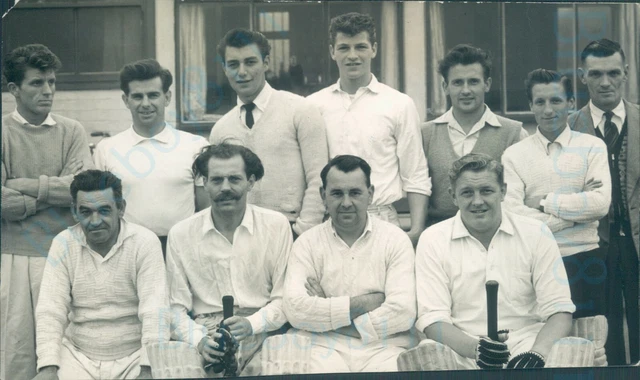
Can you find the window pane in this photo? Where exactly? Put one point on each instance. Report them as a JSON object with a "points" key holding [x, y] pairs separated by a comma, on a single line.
{"points": [[108, 38], [50, 27]]}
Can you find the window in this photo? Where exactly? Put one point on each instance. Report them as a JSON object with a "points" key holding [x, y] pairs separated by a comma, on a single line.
{"points": [[92, 38], [299, 59]]}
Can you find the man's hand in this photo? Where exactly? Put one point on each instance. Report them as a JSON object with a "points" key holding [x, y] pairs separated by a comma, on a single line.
{"points": [[414, 235], [145, 373], [491, 354], [592, 184], [208, 348], [72, 168], [239, 327], [529, 359], [47, 373], [313, 288]]}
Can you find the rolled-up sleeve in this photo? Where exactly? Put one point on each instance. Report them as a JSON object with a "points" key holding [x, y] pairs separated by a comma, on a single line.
{"points": [[413, 163]]}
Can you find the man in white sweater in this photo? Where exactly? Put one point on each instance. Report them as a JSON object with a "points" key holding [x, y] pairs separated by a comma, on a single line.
{"points": [[103, 296], [561, 177], [350, 283], [283, 129]]}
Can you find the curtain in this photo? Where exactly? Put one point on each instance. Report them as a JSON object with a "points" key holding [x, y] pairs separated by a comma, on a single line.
{"points": [[630, 41], [193, 62], [437, 97]]}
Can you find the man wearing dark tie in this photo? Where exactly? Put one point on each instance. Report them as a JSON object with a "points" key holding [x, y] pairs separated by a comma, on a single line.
{"points": [[617, 122]]}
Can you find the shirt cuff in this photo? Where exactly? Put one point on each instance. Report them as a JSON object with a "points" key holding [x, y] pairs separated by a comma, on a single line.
{"points": [[423, 188], [340, 314], [550, 207], [144, 356], [430, 318], [257, 322], [53, 358], [365, 327], [43, 188]]}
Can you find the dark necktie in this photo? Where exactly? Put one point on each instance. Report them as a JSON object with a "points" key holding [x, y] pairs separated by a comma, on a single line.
{"points": [[610, 131], [249, 116]]}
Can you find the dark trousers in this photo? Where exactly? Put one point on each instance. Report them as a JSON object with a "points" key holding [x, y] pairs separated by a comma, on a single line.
{"points": [[587, 274], [622, 259], [163, 243]]}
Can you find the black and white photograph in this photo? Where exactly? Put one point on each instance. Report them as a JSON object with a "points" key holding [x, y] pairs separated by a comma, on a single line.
{"points": [[218, 188]]}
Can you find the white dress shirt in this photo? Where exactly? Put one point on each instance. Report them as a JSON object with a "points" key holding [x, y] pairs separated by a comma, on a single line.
{"points": [[203, 266], [452, 267], [462, 142], [381, 260], [535, 168], [619, 114], [260, 101], [157, 181], [382, 126]]}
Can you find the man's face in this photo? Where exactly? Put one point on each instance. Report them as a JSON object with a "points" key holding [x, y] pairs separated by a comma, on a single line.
{"points": [[245, 69], [604, 77], [478, 195], [99, 216], [467, 87], [353, 55], [347, 198], [146, 101], [550, 107], [227, 184], [34, 96]]}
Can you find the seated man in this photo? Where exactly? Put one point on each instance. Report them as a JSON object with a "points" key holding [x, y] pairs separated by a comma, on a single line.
{"points": [[455, 258], [231, 248], [350, 282], [103, 296]]}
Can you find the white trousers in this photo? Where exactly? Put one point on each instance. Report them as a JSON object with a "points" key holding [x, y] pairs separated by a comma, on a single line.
{"points": [[76, 365]]}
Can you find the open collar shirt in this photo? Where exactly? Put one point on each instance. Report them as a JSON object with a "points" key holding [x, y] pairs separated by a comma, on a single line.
{"points": [[48, 121]]}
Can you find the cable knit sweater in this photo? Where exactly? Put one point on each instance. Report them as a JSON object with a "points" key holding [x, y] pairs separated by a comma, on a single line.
{"points": [[290, 139], [40, 153]]}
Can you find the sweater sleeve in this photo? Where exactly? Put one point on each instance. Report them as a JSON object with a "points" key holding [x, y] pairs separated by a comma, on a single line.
{"points": [[15, 205], [312, 139]]}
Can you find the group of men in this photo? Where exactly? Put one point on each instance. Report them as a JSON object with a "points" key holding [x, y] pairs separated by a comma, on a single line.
{"points": [[85, 300]]}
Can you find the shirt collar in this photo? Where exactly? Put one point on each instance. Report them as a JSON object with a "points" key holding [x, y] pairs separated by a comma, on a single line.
{"points": [[247, 221], [563, 138], [48, 121], [488, 117], [164, 136], [367, 228], [373, 86], [125, 233], [460, 231], [597, 114], [262, 99]]}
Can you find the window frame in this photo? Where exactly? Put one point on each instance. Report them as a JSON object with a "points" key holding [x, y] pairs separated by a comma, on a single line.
{"points": [[106, 80]]}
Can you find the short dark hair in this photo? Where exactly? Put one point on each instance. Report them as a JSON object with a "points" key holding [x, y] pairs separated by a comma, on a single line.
{"points": [[252, 164], [346, 163], [475, 162], [543, 76], [239, 38], [351, 24], [465, 55], [601, 48], [144, 69], [94, 180], [21, 58]]}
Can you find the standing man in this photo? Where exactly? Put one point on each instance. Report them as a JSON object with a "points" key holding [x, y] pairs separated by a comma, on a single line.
{"points": [[350, 281], [468, 126], [283, 129], [617, 122], [232, 248], [456, 257], [103, 290], [560, 177], [152, 158], [368, 119], [41, 152]]}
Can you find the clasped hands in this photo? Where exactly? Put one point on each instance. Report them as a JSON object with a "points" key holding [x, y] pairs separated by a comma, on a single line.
{"points": [[491, 354], [209, 347]]}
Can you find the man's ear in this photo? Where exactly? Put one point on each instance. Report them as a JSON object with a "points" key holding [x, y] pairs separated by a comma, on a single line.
{"points": [[14, 89], [331, 52], [374, 48], [266, 61], [323, 194], [445, 87], [487, 84], [74, 213], [167, 98], [583, 75], [252, 181], [503, 190], [453, 195], [371, 190], [122, 205], [124, 99]]}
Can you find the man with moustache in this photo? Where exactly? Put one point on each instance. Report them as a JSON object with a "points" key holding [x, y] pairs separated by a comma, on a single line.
{"points": [[152, 158], [617, 122], [456, 257], [283, 129], [103, 290], [232, 248], [41, 151], [560, 177], [469, 125], [368, 119], [350, 283]]}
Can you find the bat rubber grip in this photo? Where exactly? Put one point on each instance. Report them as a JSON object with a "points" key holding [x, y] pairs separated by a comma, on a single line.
{"points": [[227, 307], [492, 309]]}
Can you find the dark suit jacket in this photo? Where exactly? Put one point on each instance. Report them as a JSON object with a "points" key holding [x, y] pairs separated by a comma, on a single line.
{"points": [[581, 121]]}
